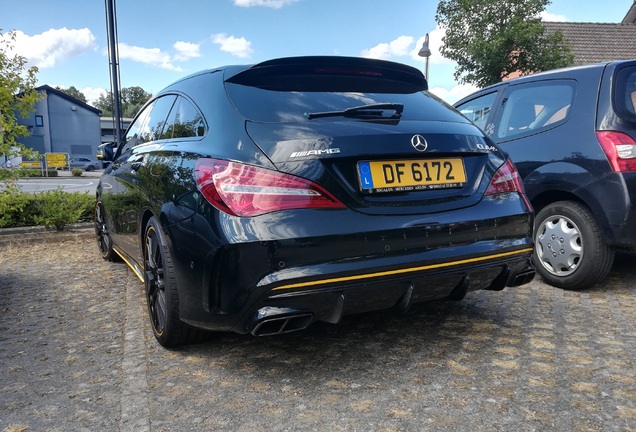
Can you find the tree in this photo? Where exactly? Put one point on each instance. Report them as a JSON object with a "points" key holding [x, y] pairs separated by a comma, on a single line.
{"points": [[73, 92], [132, 99], [492, 39], [104, 103], [17, 98]]}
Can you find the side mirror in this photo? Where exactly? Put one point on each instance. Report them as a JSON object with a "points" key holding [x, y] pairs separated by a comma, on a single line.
{"points": [[106, 152]]}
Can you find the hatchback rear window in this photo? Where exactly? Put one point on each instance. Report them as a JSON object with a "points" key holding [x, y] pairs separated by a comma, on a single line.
{"points": [[270, 106], [625, 93]]}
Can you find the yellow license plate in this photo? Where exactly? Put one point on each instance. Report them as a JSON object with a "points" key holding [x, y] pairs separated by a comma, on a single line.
{"points": [[406, 175]]}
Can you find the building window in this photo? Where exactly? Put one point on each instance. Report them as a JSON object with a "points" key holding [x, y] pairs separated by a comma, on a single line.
{"points": [[39, 121]]}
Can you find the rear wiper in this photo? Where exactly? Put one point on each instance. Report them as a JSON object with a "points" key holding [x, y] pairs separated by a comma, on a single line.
{"points": [[372, 111]]}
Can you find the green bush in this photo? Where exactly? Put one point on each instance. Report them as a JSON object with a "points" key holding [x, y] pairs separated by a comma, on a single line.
{"points": [[77, 172], [53, 209], [58, 208], [16, 209], [30, 172]]}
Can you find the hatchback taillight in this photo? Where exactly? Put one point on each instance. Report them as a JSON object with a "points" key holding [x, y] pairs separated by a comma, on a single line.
{"points": [[246, 190], [506, 179], [620, 150]]}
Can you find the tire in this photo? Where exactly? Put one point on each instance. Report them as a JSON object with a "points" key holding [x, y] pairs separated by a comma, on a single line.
{"points": [[90, 168], [162, 293], [570, 251], [104, 241]]}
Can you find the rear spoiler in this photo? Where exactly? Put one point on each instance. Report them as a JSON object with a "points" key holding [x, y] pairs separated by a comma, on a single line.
{"points": [[332, 73]]}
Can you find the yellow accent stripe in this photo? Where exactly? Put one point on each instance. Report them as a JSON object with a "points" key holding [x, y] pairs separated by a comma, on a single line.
{"points": [[121, 255], [401, 271]]}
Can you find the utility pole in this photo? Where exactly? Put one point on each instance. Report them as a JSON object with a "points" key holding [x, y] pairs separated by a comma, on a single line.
{"points": [[113, 59]]}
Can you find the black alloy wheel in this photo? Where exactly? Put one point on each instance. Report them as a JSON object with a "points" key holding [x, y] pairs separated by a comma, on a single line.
{"points": [[161, 291], [104, 241]]}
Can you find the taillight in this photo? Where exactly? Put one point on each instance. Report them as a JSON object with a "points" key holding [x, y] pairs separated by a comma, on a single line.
{"points": [[620, 150], [505, 180], [246, 190]]}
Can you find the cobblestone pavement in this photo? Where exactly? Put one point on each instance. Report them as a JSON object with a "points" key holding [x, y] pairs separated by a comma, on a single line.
{"points": [[77, 353]]}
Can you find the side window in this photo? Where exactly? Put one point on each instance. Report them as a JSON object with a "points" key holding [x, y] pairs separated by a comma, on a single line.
{"points": [[149, 123], [533, 107], [152, 128], [132, 135], [184, 121], [477, 110]]}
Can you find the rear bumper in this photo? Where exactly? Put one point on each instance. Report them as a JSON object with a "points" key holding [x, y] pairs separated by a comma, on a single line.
{"points": [[293, 306], [292, 309], [315, 265]]}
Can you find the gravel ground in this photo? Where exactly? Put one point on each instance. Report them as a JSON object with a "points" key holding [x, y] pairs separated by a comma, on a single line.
{"points": [[77, 354]]}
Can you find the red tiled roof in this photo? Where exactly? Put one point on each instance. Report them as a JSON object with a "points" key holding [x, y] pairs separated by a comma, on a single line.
{"points": [[597, 42]]}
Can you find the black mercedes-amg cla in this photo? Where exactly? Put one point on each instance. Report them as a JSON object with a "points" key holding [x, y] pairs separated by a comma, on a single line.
{"points": [[259, 199]]}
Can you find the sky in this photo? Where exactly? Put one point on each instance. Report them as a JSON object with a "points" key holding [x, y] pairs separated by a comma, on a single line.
{"points": [[161, 41]]}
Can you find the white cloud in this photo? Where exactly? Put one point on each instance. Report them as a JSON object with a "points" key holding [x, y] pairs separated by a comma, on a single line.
{"points": [[406, 45], [274, 4], [92, 93], [396, 48], [158, 58], [186, 50], [434, 44], [455, 93], [151, 56], [547, 16], [54, 45], [239, 47]]}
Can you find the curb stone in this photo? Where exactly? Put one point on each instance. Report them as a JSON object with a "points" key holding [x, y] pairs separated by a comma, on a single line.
{"points": [[42, 234]]}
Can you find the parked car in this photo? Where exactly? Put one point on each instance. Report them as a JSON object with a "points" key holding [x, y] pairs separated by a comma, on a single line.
{"points": [[84, 163], [571, 133], [100, 153], [259, 199]]}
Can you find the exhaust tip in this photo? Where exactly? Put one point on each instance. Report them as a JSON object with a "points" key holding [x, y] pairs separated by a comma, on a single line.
{"points": [[523, 278], [274, 321]]}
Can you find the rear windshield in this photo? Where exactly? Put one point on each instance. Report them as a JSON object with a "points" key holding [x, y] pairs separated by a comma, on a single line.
{"points": [[274, 106], [625, 93]]}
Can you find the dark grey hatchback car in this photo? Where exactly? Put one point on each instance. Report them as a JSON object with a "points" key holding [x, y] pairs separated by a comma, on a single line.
{"points": [[572, 135]]}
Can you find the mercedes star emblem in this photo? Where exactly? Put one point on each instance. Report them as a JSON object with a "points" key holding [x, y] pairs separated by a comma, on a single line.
{"points": [[419, 143]]}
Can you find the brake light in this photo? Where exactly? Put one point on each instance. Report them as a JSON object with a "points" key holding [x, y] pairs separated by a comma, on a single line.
{"points": [[348, 71], [505, 180], [620, 150], [246, 191]]}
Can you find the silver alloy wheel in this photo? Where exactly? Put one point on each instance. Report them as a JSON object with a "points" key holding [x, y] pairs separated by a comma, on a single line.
{"points": [[559, 245]]}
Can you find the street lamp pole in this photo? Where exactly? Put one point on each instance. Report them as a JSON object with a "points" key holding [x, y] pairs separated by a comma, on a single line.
{"points": [[113, 58], [426, 53]]}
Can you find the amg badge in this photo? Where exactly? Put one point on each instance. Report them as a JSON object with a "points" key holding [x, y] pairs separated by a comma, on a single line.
{"points": [[314, 152]]}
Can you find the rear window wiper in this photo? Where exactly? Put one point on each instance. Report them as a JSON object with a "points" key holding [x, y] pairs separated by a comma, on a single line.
{"points": [[371, 111]]}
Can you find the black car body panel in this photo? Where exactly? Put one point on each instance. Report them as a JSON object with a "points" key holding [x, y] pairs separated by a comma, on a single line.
{"points": [[560, 158], [279, 269], [302, 156]]}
